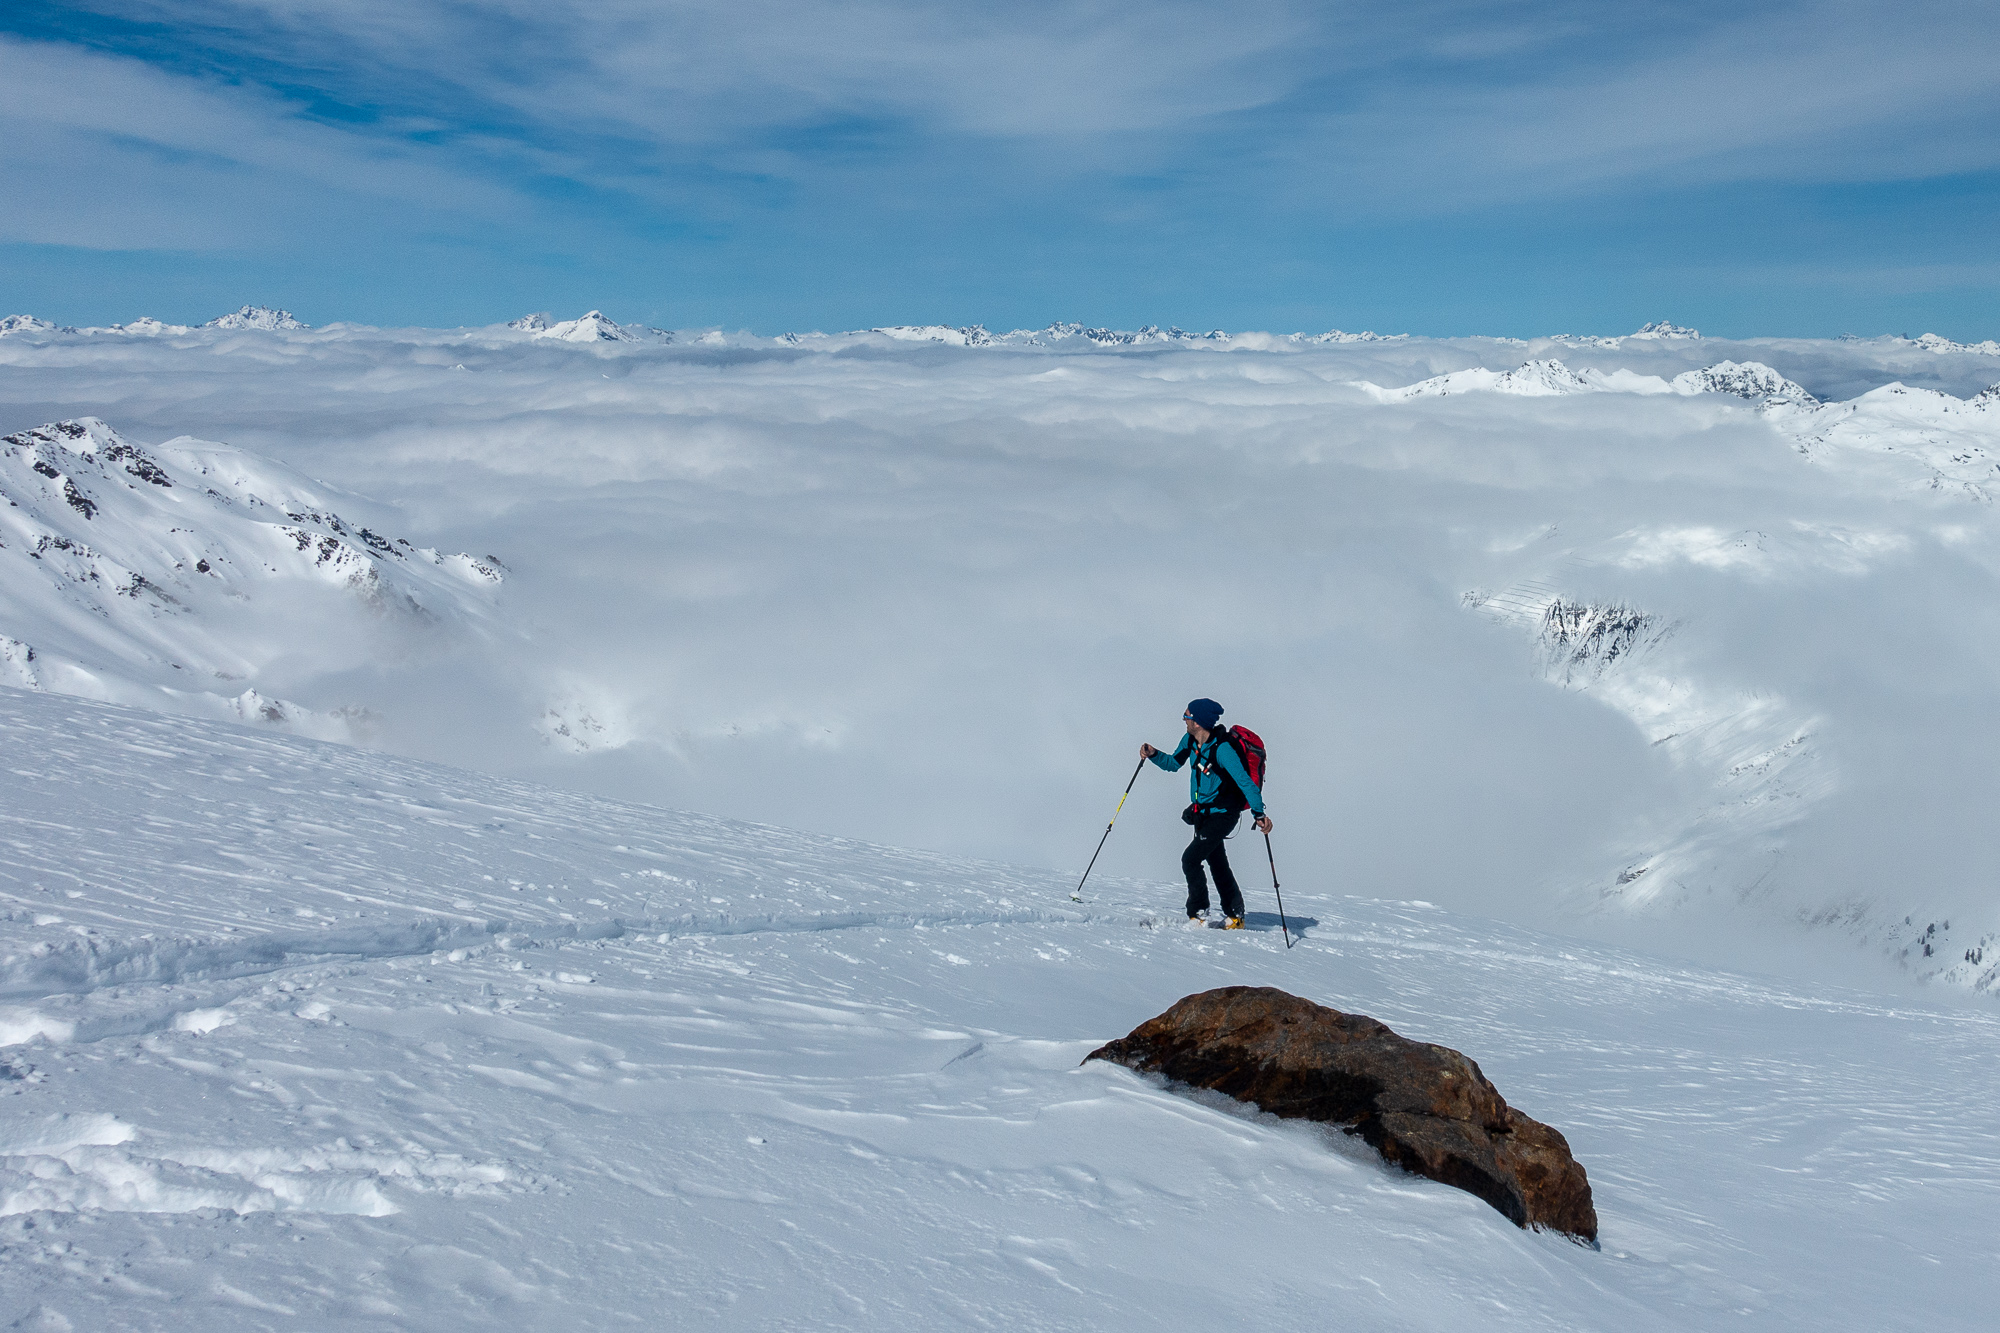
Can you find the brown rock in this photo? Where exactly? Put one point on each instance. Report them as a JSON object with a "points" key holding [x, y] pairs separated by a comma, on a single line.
{"points": [[1426, 1108]]}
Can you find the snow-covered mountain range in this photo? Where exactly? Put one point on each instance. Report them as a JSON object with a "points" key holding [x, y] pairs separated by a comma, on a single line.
{"points": [[1669, 636], [595, 326]]}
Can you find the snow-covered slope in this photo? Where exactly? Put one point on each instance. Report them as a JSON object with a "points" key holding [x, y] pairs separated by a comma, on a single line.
{"points": [[301, 1036], [1907, 436], [175, 576]]}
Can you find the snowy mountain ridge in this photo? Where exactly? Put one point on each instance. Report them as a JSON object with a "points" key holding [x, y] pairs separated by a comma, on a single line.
{"points": [[148, 327], [172, 576], [1550, 378], [590, 327], [1931, 342], [1661, 328], [1532, 379], [260, 317], [1749, 379], [13, 324]]}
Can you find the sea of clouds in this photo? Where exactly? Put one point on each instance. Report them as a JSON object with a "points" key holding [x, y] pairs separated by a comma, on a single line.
{"points": [[935, 595]]}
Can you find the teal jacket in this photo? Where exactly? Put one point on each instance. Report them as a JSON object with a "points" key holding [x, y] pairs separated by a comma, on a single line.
{"points": [[1204, 781]]}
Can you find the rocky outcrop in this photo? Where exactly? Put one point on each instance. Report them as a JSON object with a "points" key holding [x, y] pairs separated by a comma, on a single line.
{"points": [[1426, 1108]]}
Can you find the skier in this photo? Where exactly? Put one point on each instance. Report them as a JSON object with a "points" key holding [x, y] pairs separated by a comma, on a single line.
{"points": [[1221, 788]]}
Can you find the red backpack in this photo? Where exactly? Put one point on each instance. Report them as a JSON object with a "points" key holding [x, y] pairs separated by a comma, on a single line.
{"points": [[1249, 748]]}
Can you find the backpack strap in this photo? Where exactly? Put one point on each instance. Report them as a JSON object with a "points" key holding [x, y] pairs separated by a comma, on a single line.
{"points": [[1241, 799]]}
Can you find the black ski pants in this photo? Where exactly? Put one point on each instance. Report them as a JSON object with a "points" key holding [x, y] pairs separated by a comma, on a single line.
{"points": [[1209, 831]]}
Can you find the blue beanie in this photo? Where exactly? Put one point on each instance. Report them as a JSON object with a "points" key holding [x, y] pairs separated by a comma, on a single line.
{"points": [[1206, 713]]}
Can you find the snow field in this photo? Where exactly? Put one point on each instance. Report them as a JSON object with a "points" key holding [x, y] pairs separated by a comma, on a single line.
{"points": [[300, 1035]]}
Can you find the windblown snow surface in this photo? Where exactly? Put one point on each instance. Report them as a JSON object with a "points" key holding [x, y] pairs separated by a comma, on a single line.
{"points": [[297, 1035]]}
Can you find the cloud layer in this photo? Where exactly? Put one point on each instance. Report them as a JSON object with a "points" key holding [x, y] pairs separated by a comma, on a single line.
{"points": [[935, 595]]}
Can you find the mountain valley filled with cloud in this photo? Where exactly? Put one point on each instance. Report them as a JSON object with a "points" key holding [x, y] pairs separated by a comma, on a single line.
{"points": [[926, 590]]}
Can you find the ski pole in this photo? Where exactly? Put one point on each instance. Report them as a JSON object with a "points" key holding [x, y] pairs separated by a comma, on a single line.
{"points": [[1283, 924], [1076, 894]]}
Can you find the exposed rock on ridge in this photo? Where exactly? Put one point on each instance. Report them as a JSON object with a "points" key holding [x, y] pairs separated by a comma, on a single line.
{"points": [[1745, 379], [1426, 1108]]}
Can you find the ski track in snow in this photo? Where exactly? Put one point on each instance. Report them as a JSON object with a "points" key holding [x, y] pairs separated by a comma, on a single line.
{"points": [[302, 1036]]}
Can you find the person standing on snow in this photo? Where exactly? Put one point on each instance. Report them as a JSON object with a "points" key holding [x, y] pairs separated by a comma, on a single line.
{"points": [[1221, 788]]}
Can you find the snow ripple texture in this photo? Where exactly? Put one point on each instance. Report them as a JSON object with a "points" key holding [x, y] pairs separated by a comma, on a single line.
{"points": [[299, 1035]]}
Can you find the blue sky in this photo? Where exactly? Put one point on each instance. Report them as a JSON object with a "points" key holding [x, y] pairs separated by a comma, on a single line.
{"points": [[1432, 166]]}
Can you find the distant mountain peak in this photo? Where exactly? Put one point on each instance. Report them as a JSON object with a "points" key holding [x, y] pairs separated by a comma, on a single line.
{"points": [[29, 324], [147, 327], [592, 327], [1660, 328], [257, 317], [1745, 379]]}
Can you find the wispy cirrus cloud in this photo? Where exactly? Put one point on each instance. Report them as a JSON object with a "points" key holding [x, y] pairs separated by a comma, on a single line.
{"points": [[1266, 154], [706, 71], [110, 152], [1841, 92], [1428, 100]]}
